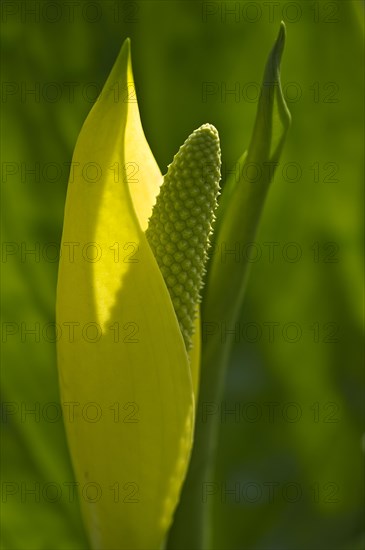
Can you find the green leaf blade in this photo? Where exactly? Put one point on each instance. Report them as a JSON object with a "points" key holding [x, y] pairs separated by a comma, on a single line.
{"points": [[243, 198], [238, 215]]}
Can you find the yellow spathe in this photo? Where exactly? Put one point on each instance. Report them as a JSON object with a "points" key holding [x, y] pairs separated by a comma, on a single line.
{"points": [[126, 380]]}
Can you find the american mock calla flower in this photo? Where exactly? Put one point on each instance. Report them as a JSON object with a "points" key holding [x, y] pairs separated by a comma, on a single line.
{"points": [[135, 363], [130, 365]]}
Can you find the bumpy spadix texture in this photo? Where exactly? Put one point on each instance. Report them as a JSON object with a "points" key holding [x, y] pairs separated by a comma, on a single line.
{"points": [[181, 222]]}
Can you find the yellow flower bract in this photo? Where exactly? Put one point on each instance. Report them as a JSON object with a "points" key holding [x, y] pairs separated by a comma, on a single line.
{"points": [[135, 360]]}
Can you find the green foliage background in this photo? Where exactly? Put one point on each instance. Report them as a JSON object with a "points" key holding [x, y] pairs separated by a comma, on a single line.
{"points": [[312, 461]]}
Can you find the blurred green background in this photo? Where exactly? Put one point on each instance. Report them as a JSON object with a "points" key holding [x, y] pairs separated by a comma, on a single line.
{"points": [[292, 452]]}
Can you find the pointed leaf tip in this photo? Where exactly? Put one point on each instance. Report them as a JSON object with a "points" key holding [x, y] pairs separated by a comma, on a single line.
{"points": [[240, 195], [279, 45], [282, 32]]}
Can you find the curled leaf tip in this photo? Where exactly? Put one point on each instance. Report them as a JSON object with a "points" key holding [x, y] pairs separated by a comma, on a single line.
{"points": [[282, 30], [272, 96], [278, 48]]}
